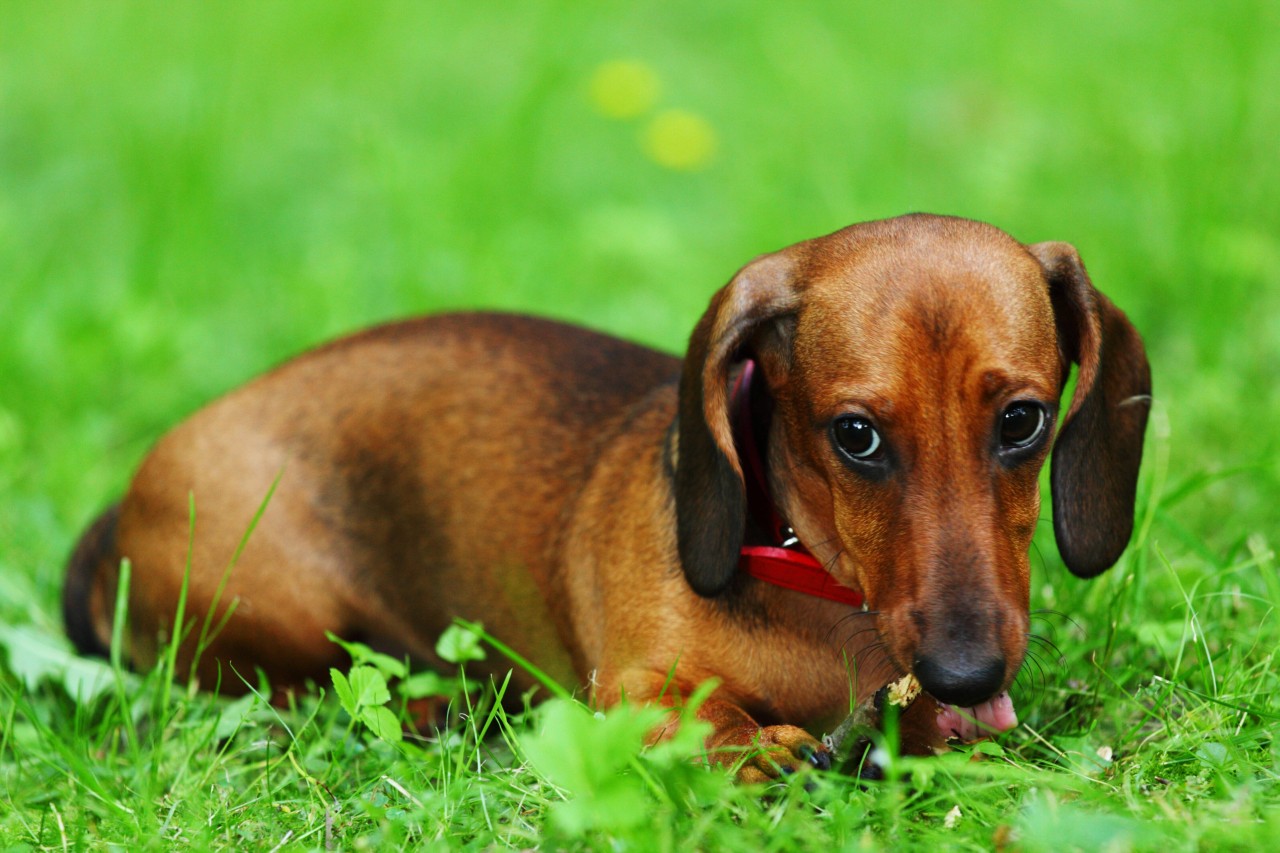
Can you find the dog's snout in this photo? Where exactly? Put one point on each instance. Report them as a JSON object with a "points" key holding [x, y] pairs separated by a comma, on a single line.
{"points": [[960, 680]]}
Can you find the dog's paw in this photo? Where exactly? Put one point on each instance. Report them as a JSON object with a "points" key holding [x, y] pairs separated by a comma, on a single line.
{"points": [[780, 751]]}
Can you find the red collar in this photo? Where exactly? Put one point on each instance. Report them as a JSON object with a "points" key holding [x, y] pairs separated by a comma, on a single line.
{"points": [[788, 563]]}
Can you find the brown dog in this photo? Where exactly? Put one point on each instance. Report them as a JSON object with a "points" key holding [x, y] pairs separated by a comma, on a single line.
{"points": [[585, 498]]}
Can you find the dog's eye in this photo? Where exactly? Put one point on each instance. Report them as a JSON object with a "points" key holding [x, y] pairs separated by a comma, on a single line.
{"points": [[857, 437], [1021, 424]]}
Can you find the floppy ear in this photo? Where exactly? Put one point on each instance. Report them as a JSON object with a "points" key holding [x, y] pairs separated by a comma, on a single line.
{"points": [[1094, 475], [710, 496]]}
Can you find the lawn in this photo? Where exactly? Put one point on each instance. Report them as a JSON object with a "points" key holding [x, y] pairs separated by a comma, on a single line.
{"points": [[190, 193]]}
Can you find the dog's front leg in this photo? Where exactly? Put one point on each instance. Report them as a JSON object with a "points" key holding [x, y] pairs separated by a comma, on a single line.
{"points": [[758, 752], [737, 740]]}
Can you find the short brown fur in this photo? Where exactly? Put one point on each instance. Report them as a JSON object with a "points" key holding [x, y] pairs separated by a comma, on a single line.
{"points": [[581, 496]]}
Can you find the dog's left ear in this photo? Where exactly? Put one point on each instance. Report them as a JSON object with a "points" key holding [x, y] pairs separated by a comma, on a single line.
{"points": [[1094, 476], [710, 495]]}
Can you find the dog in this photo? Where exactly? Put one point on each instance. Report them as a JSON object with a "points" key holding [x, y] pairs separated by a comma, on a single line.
{"points": [[835, 488]]}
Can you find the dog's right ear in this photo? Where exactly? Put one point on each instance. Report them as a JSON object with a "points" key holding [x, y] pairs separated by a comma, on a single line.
{"points": [[710, 495]]}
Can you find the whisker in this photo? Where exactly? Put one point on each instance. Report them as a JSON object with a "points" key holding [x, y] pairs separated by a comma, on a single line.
{"points": [[885, 672], [857, 614], [863, 645], [1045, 611], [1048, 611], [1046, 643], [1035, 671], [1028, 670], [823, 543], [870, 648], [1035, 549], [881, 669]]}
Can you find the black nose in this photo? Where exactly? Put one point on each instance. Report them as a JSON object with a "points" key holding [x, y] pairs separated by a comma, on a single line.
{"points": [[958, 681]]}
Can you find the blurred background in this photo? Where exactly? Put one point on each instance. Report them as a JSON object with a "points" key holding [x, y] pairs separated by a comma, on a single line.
{"points": [[190, 193]]}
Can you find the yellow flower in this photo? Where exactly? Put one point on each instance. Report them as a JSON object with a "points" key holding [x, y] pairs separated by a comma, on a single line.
{"points": [[624, 88], [679, 139]]}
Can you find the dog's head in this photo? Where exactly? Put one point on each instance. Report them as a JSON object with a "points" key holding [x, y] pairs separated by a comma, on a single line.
{"points": [[915, 367]]}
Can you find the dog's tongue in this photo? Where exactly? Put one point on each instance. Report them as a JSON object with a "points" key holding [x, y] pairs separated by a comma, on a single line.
{"points": [[991, 717]]}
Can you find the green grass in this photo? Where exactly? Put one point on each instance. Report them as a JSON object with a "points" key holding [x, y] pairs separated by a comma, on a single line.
{"points": [[191, 193]]}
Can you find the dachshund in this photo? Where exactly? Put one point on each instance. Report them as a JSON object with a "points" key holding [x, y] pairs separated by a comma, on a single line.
{"points": [[837, 487]]}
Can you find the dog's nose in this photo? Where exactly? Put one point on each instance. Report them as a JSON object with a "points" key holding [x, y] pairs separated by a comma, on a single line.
{"points": [[960, 681]]}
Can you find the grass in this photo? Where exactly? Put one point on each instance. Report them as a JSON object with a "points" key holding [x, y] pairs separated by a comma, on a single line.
{"points": [[191, 193]]}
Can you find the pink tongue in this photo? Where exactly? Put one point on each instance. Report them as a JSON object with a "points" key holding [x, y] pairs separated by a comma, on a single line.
{"points": [[991, 717]]}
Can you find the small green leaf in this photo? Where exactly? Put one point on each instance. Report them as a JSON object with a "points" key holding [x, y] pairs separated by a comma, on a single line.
{"points": [[428, 683], [369, 686], [592, 757], [35, 656], [459, 645], [1214, 754], [989, 747], [233, 716], [362, 654], [1080, 754], [382, 723], [343, 688], [922, 773]]}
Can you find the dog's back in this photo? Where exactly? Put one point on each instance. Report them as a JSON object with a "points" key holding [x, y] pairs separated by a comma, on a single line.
{"points": [[438, 456]]}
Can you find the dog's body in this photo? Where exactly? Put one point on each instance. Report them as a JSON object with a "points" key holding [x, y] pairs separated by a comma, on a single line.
{"points": [[583, 497]]}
